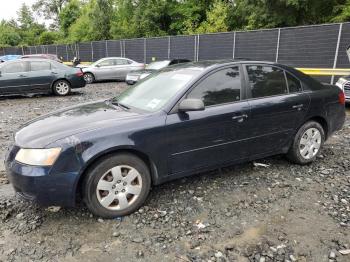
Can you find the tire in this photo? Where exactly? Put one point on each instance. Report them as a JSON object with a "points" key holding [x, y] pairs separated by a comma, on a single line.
{"points": [[61, 88], [307, 143], [89, 78], [105, 188]]}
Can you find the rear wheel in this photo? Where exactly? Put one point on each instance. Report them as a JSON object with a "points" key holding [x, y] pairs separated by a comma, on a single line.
{"points": [[117, 186], [307, 143], [61, 88], [89, 78]]}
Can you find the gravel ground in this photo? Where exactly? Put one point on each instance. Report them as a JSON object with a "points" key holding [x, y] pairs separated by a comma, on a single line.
{"points": [[248, 212]]}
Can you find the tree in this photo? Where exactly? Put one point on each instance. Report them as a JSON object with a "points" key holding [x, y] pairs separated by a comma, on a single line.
{"points": [[9, 35], [49, 38], [100, 16], [122, 25], [216, 19], [49, 9], [69, 14], [25, 17]]}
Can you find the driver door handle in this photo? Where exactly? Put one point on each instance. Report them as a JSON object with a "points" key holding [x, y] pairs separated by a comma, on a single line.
{"points": [[299, 107], [21, 75]]}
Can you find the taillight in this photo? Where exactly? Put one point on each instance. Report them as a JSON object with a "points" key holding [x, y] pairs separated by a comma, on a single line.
{"points": [[341, 97], [80, 73]]}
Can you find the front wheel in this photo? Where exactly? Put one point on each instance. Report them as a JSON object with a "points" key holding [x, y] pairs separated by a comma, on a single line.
{"points": [[117, 186], [307, 143], [61, 88]]}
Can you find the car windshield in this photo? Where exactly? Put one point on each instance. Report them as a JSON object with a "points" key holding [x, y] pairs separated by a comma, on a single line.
{"points": [[158, 65], [157, 90]]}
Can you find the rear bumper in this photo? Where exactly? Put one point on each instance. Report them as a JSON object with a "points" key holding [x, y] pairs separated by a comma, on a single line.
{"points": [[77, 82]]}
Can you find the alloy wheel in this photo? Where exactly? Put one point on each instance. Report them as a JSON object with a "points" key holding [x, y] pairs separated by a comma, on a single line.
{"points": [[62, 88]]}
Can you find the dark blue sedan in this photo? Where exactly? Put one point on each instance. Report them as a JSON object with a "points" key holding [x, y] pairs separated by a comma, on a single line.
{"points": [[36, 76], [179, 121]]}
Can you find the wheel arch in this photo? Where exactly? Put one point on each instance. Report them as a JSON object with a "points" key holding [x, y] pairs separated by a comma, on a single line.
{"points": [[322, 121], [92, 162]]}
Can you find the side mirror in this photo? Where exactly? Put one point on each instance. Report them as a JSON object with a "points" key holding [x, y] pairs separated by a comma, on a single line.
{"points": [[191, 105]]}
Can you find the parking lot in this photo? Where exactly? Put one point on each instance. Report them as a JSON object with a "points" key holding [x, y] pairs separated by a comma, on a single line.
{"points": [[269, 210]]}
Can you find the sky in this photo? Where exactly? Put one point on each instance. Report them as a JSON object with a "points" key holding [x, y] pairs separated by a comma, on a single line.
{"points": [[9, 8]]}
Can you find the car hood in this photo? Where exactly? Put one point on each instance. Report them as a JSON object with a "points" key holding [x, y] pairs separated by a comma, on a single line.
{"points": [[47, 129]]}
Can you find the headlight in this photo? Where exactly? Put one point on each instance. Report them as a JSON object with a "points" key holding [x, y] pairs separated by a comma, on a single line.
{"points": [[143, 76], [38, 157]]}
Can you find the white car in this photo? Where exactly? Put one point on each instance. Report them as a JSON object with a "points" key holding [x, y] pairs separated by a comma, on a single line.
{"points": [[110, 68]]}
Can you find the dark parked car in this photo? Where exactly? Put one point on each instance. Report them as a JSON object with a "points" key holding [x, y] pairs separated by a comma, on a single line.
{"points": [[210, 114], [32, 76], [43, 56], [135, 76]]}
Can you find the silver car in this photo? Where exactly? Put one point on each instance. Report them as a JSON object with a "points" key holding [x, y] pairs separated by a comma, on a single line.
{"points": [[110, 68]]}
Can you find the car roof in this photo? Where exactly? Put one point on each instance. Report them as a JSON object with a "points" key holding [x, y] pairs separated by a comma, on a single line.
{"points": [[211, 64]]}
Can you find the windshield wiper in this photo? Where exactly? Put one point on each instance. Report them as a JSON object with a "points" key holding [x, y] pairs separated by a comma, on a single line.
{"points": [[115, 102]]}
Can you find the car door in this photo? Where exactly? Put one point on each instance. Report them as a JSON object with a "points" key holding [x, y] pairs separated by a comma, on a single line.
{"points": [[216, 135], [122, 67], [14, 77], [278, 107], [41, 75], [105, 70]]}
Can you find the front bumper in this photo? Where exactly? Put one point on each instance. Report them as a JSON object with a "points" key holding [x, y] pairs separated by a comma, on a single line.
{"points": [[40, 184]]}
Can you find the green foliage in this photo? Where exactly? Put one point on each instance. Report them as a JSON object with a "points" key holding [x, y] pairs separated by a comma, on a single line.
{"points": [[87, 20]]}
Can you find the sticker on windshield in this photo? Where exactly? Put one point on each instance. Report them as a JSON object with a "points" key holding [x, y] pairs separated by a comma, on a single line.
{"points": [[153, 103], [181, 77]]}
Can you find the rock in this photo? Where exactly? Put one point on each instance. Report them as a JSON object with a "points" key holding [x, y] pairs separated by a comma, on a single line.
{"points": [[332, 255], [137, 240], [218, 254], [100, 220], [344, 252], [20, 216], [116, 234]]}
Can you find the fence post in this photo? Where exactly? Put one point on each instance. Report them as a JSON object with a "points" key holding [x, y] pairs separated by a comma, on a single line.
{"points": [[121, 48], [234, 45], [337, 51], [92, 52], [124, 47], [197, 48], [144, 50], [278, 44], [106, 48], [169, 46], [67, 53]]}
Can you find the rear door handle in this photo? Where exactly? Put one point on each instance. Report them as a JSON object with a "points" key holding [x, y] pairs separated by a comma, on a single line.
{"points": [[21, 75], [240, 118], [54, 73]]}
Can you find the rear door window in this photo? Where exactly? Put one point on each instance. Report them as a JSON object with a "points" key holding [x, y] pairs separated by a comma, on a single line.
{"points": [[266, 81], [15, 67], [294, 85], [221, 87], [108, 62], [121, 62], [39, 66]]}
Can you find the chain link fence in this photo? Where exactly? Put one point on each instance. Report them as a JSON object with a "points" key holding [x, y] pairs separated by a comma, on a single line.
{"points": [[321, 46]]}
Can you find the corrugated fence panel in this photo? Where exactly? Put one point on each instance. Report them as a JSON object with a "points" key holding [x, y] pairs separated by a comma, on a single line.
{"points": [[113, 48], [182, 47], [257, 45], [62, 52], [51, 49], [99, 50], [157, 48], [216, 46], [343, 60], [134, 49], [13, 51], [309, 46], [85, 52]]}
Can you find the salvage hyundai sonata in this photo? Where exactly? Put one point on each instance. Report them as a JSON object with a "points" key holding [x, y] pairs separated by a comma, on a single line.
{"points": [[179, 121]]}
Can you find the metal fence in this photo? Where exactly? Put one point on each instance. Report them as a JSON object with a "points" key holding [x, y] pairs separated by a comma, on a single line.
{"points": [[321, 46]]}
